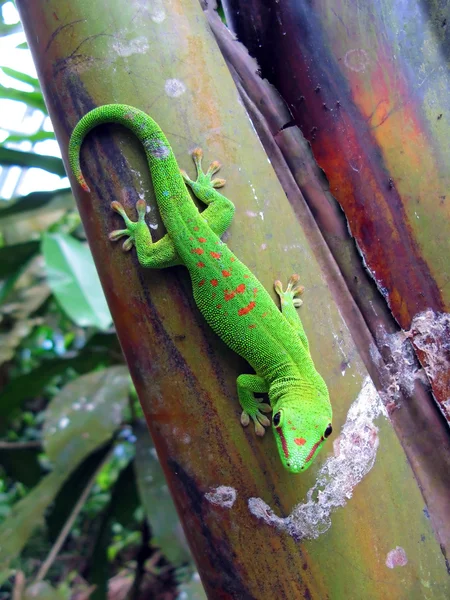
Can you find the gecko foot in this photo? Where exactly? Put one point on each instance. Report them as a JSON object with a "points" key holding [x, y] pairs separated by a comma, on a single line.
{"points": [[254, 410], [131, 226], [203, 179], [293, 291]]}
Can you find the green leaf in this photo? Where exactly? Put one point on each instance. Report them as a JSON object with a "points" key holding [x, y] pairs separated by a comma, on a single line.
{"points": [[32, 99], [10, 29], [51, 164], [52, 200], [23, 77], [96, 353], [84, 415], [80, 419], [22, 464], [74, 281], [42, 590], [193, 590], [123, 503], [162, 516], [72, 489], [40, 136], [14, 257]]}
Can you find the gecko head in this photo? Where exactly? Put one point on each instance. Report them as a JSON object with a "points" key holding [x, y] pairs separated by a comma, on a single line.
{"points": [[300, 434]]}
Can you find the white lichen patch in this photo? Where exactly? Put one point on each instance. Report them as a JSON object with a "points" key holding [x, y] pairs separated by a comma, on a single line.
{"points": [[400, 360], [174, 88], [396, 558], [138, 45], [355, 451], [223, 495], [430, 334]]}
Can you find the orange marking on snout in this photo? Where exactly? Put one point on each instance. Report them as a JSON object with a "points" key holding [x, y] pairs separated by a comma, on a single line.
{"points": [[300, 441]]}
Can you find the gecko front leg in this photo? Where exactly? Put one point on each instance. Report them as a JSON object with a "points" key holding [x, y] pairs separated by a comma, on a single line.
{"points": [[253, 408]]}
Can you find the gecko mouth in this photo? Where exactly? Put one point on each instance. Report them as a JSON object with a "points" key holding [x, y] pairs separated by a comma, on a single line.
{"points": [[313, 450]]}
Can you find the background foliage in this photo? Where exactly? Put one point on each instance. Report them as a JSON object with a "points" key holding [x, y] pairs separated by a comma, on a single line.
{"points": [[72, 431]]}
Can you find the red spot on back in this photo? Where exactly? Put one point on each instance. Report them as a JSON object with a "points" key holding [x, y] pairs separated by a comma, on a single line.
{"points": [[229, 295], [246, 309], [191, 238], [196, 228], [265, 314], [200, 264], [197, 250], [255, 291], [300, 441], [226, 273], [202, 240], [232, 259], [214, 295], [252, 326], [283, 441], [240, 288], [219, 306], [214, 282], [246, 276], [202, 282], [215, 254]]}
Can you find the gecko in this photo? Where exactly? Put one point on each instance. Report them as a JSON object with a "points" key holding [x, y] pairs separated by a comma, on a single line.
{"points": [[234, 303]]}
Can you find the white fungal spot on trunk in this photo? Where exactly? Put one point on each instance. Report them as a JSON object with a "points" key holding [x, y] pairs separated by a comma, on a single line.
{"points": [[355, 451], [174, 88], [137, 46], [223, 495], [396, 558]]}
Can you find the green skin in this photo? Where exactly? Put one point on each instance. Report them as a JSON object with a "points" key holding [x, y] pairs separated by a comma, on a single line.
{"points": [[232, 300]]}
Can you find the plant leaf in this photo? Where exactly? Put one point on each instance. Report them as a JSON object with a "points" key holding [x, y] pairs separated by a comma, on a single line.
{"points": [[32, 99], [31, 384], [74, 281], [167, 532], [14, 257], [23, 77], [51, 164], [81, 418]]}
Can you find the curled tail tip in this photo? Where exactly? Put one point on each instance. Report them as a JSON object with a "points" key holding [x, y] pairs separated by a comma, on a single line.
{"points": [[83, 183]]}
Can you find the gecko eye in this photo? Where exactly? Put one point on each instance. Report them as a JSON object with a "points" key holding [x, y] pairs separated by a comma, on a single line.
{"points": [[328, 431], [277, 418]]}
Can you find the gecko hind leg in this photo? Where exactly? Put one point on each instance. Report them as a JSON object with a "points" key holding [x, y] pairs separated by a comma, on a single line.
{"points": [[220, 210], [290, 301]]}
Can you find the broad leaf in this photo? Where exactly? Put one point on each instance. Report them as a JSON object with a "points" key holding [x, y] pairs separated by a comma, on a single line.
{"points": [[51, 164], [80, 419], [74, 281], [162, 516]]}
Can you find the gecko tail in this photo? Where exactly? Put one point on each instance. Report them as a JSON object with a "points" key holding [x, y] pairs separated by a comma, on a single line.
{"points": [[142, 125]]}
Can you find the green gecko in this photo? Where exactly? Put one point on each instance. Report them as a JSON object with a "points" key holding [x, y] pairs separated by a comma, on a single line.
{"points": [[229, 296]]}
